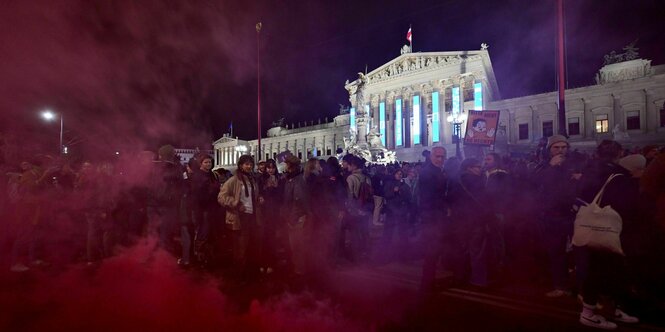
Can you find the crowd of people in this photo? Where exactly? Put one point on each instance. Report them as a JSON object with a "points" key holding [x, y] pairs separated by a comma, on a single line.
{"points": [[476, 218]]}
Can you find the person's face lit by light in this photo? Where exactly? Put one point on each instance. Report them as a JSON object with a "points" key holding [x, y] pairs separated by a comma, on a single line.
{"points": [[438, 156], [560, 148], [247, 167], [206, 165]]}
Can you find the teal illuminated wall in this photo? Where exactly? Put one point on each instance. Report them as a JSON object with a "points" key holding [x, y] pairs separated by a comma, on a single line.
{"points": [[415, 127], [398, 122], [435, 117]]}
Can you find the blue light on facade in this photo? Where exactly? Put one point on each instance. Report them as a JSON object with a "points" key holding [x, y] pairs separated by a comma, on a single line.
{"points": [[435, 117], [382, 122], [398, 122], [478, 96], [352, 113], [456, 102], [415, 126]]}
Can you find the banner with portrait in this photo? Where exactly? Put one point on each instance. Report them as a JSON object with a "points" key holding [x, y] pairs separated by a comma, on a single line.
{"points": [[481, 127]]}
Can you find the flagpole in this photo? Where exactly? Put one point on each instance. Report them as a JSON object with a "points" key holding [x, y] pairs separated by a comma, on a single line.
{"points": [[258, 90], [411, 39]]}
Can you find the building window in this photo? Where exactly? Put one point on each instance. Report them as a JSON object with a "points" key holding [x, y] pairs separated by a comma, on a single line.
{"points": [[274, 155], [573, 126], [267, 155], [524, 131], [548, 128], [328, 152], [633, 120], [662, 116], [299, 155], [602, 123]]}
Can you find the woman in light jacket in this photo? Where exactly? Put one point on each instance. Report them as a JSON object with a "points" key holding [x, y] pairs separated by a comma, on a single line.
{"points": [[239, 195]]}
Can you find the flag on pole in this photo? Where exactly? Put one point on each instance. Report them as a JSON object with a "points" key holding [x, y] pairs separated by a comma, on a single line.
{"points": [[408, 35]]}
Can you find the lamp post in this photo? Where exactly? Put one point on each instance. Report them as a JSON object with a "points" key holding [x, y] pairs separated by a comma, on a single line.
{"points": [[258, 88], [457, 120], [50, 116]]}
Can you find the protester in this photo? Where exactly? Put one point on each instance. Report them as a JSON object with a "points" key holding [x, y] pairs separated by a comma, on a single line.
{"points": [[271, 192], [557, 184], [295, 211], [358, 207], [600, 270], [240, 196], [436, 227], [398, 205], [204, 191]]}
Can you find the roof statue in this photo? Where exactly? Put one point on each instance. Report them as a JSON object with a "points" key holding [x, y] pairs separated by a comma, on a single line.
{"points": [[484, 47], [630, 53], [405, 49], [279, 122]]}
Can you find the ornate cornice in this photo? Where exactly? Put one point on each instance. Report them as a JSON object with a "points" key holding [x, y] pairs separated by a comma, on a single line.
{"points": [[411, 63]]}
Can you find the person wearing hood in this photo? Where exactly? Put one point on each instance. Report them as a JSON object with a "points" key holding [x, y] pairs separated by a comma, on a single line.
{"points": [[240, 196]]}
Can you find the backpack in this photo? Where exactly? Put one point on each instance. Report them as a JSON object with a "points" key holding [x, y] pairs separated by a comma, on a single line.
{"points": [[365, 198]]}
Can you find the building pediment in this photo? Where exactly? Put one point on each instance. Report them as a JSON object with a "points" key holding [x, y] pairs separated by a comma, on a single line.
{"points": [[416, 63], [225, 139], [410, 63]]}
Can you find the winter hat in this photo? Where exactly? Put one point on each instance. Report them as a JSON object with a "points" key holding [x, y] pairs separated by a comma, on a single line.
{"points": [[634, 162], [166, 152], [556, 139]]}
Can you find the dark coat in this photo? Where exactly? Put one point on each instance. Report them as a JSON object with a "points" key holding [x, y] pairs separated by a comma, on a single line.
{"points": [[204, 188], [557, 191], [432, 189], [397, 203]]}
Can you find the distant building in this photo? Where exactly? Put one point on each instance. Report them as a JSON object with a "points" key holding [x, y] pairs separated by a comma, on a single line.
{"points": [[187, 154], [410, 100]]}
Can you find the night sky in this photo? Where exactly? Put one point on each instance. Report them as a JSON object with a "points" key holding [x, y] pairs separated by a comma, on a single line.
{"points": [[136, 74]]}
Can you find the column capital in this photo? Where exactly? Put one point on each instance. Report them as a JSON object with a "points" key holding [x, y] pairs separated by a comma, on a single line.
{"points": [[407, 92], [426, 88], [374, 101], [390, 96]]}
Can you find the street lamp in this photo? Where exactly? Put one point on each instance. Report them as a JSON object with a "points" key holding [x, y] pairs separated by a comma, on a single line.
{"points": [[48, 115], [457, 119]]}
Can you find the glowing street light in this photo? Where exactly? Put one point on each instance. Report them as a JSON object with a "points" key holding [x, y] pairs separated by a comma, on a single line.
{"points": [[457, 119], [48, 115]]}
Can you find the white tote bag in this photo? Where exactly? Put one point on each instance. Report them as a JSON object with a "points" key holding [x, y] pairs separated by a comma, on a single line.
{"points": [[598, 228]]}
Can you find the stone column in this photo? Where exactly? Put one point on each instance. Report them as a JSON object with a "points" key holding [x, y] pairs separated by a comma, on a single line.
{"points": [[651, 113], [374, 111], [426, 114], [407, 94], [513, 126], [617, 113], [445, 131], [534, 121], [589, 127], [390, 120]]}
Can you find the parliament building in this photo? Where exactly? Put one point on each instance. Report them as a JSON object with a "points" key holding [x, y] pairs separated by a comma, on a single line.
{"points": [[415, 100]]}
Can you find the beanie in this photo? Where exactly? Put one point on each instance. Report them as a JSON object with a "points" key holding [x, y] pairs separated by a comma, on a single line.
{"points": [[633, 162], [556, 139], [166, 152]]}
